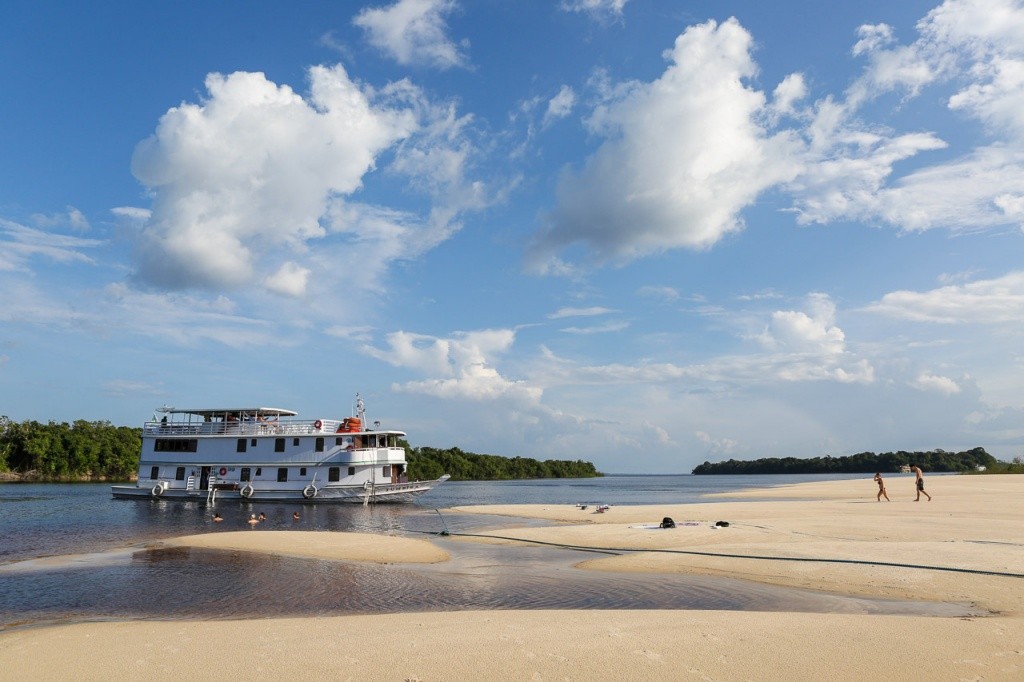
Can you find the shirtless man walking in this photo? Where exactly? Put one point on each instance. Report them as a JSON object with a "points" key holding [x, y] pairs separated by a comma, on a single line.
{"points": [[919, 478], [881, 487]]}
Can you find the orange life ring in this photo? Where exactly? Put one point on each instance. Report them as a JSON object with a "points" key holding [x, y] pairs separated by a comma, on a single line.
{"points": [[318, 424], [223, 471]]}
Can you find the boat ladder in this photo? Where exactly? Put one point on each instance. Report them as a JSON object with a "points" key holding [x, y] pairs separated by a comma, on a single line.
{"points": [[211, 492]]}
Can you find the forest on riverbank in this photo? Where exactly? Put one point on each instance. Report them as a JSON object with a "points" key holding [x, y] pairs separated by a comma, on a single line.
{"points": [[100, 451], [973, 460]]}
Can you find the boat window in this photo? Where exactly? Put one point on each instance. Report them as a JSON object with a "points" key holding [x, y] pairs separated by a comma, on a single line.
{"points": [[351, 471], [386, 471], [253, 443], [241, 445], [175, 444], [295, 442], [319, 444], [334, 474], [339, 441], [179, 474], [282, 474], [279, 445], [154, 473], [245, 474], [302, 471], [259, 471]]}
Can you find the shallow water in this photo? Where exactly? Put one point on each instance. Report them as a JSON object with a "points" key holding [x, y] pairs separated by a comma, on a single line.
{"points": [[185, 583], [72, 553]]}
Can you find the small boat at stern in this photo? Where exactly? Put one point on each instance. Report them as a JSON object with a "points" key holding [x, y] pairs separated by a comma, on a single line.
{"points": [[267, 454]]}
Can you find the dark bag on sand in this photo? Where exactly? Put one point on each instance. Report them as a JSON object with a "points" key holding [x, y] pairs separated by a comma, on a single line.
{"points": [[668, 523]]}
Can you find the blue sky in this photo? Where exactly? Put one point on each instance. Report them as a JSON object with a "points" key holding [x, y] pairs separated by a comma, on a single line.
{"points": [[636, 232]]}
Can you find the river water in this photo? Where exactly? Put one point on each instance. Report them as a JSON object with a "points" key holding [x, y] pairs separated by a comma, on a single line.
{"points": [[72, 553]]}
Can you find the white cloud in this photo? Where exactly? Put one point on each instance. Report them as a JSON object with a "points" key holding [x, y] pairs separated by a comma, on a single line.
{"points": [[127, 388], [289, 280], [132, 213], [992, 301], [682, 157], [977, 45], [938, 384], [462, 365], [20, 244], [597, 329], [665, 294], [791, 90], [814, 333], [246, 175], [72, 218], [595, 7], [890, 67], [184, 320], [579, 312], [716, 446], [413, 32], [560, 105], [795, 347]]}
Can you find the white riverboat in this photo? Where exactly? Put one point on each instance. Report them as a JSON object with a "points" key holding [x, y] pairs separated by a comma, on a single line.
{"points": [[267, 454]]}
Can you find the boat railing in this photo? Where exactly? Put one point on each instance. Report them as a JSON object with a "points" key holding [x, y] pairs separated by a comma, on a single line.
{"points": [[285, 427]]}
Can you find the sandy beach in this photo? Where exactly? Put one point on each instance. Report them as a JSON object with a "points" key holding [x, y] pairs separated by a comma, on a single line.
{"points": [[966, 547]]}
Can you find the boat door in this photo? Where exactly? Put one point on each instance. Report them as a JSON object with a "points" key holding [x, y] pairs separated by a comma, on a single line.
{"points": [[204, 479]]}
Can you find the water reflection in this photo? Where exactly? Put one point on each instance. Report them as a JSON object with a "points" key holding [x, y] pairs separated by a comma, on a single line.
{"points": [[183, 582]]}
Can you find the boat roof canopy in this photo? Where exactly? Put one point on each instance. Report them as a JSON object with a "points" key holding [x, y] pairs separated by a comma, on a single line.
{"points": [[237, 411]]}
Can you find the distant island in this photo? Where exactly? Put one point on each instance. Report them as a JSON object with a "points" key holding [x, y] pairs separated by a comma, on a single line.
{"points": [[429, 463], [975, 459], [100, 451]]}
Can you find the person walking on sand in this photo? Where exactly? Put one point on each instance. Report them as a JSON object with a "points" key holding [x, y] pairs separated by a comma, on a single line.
{"points": [[881, 487], [919, 482]]}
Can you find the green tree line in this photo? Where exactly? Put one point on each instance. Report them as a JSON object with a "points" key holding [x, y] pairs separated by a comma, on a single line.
{"points": [[861, 463], [59, 451], [426, 463], [98, 451]]}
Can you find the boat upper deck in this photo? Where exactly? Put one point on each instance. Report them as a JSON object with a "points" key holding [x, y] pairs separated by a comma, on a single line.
{"points": [[254, 421]]}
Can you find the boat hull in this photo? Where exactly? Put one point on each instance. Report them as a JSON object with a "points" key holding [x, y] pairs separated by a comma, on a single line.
{"points": [[389, 493]]}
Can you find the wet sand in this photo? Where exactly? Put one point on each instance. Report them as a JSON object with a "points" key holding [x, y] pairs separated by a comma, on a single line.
{"points": [[966, 546]]}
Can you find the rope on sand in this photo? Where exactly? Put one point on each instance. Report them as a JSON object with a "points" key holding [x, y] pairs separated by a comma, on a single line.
{"points": [[617, 551]]}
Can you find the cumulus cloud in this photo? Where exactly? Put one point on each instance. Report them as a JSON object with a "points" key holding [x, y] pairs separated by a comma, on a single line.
{"points": [[682, 157], [458, 367], [808, 346], [245, 176], [289, 280], [810, 332], [937, 384], [413, 32], [991, 301]]}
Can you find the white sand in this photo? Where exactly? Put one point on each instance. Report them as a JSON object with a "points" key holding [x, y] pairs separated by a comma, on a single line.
{"points": [[973, 522], [381, 549]]}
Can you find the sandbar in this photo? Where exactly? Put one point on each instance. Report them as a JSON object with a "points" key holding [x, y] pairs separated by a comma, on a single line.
{"points": [[965, 546], [381, 549]]}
